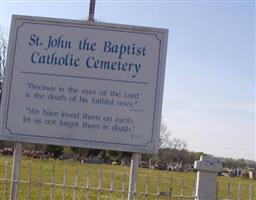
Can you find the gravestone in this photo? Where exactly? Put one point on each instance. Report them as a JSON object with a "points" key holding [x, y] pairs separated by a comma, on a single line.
{"points": [[206, 185]]}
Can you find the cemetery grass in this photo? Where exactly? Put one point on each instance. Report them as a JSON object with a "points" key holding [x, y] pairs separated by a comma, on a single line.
{"points": [[34, 171]]}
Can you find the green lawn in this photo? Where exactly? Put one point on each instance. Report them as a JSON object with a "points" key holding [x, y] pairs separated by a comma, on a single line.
{"points": [[115, 177]]}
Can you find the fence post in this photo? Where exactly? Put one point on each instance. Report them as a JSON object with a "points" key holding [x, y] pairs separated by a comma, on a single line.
{"points": [[29, 181], [239, 191], [40, 183], [181, 186], [5, 180], [64, 185], [123, 185], [76, 182], [52, 183], [99, 184], [16, 171], [229, 191], [146, 187], [206, 184], [87, 185], [250, 192], [112, 185]]}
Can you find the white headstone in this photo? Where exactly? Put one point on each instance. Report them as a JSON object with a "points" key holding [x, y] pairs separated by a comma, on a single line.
{"points": [[206, 186]]}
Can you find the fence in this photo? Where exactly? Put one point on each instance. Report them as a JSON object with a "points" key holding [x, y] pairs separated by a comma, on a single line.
{"points": [[68, 180]]}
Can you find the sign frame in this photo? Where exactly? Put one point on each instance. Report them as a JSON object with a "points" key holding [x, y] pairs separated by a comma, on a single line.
{"points": [[8, 134]]}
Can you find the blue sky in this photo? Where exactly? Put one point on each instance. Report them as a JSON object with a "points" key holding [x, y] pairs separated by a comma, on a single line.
{"points": [[209, 94]]}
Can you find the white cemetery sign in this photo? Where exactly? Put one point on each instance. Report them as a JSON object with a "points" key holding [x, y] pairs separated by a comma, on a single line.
{"points": [[94, 85]]}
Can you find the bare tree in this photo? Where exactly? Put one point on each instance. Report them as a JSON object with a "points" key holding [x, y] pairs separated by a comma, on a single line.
{"points": [[164, 141], [178, 144], [3, 56]]}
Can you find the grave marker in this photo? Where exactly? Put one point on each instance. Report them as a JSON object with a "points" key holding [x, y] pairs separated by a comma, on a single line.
{"points": [[206, 185]]}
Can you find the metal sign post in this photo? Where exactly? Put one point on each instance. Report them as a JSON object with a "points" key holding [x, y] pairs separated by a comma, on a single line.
{"points": [[91, 10], [133, 175], [16, 171]]}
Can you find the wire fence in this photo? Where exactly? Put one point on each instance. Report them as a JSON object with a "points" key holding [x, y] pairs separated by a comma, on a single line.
{"points": [[60, 182]]}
